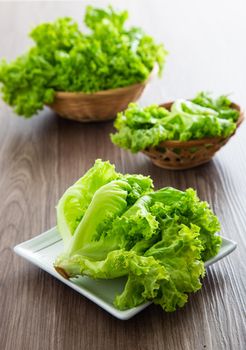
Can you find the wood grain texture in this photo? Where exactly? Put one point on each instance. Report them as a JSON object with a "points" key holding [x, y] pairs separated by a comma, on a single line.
{"points": [[41, 157]]}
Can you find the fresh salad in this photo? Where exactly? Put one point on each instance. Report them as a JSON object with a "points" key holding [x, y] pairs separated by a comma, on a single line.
{"points": [[139, 128], [115, 225], [109, 55]]}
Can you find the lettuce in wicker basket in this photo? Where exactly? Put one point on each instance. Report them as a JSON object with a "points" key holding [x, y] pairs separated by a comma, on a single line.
{"points": [[116, 225], [139, 128], [66, 59]]}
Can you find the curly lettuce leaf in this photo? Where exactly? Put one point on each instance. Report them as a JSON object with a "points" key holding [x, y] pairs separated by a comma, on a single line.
{"points": [[189, 210], [22, 83], [95, 16], [197, 122], [181, 257], [140, 128], [74, 202], [222, 105]]}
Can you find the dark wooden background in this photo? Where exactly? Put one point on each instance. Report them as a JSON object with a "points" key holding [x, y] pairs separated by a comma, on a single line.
{"points": [[41, 157]]}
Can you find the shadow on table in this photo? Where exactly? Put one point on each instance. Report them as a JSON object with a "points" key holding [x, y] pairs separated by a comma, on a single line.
{"points": [[74, 317]]}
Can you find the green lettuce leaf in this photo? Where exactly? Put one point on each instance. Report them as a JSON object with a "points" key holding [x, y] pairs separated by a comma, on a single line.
{"points": [[179, 252], [222, 105], [189, 210], [74, 202], [108, 202]]}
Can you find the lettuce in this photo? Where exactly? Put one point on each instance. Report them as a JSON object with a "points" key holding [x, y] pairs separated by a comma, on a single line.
{"points": [[222, 105], [116, 225], [73, 204], [139, 128], [66, 59]]}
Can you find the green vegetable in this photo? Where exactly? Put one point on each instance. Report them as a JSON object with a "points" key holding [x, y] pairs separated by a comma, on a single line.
{"points": [[222, 105], [65, 59], [140, 128], [116, 225]]}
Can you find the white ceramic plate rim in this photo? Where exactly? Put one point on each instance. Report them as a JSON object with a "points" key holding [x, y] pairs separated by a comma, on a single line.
{"points": [[29, 248]]}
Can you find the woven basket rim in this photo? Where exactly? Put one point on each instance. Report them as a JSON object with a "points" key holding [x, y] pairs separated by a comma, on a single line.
{"points": [[67, 94], [208, 140]]}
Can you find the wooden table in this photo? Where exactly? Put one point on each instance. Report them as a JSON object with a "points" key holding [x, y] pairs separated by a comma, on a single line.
{"points": [[41, 157]]}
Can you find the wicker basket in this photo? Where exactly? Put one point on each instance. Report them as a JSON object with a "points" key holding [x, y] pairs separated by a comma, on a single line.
{"points": [[178, 155], [99, 106]]}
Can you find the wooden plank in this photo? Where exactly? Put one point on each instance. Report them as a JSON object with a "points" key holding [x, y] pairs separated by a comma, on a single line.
{"points": [[41, 157]]}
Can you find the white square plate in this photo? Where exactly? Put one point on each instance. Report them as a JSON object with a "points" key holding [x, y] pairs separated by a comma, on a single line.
{"points": [[43, 250]]}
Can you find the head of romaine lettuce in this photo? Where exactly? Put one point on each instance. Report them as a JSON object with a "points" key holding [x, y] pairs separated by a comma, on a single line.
{"points": [[116, 225]]}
